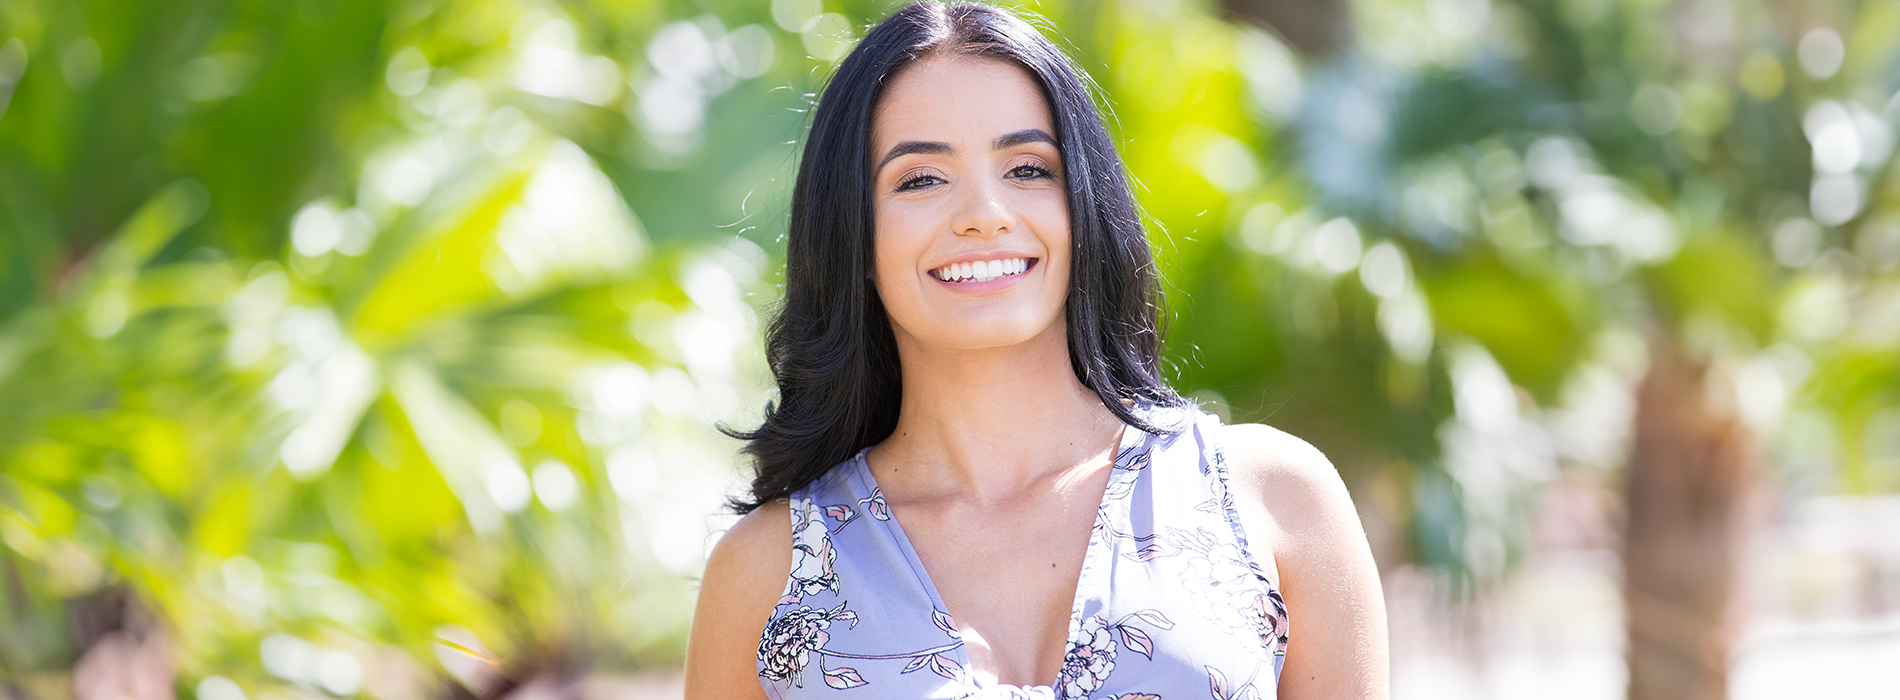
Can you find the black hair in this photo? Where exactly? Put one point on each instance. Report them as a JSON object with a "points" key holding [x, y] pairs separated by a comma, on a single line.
{"points": [[831, 348]]}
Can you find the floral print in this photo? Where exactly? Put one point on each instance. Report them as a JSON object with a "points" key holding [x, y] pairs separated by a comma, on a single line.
{"points": [[814, 561], [1092, 649], [875, 504], [793, 637], [1223, 583], [842, 513], [1220, 689], [1227, 588], [789, 640], [1088, 661], [1165, 536]]}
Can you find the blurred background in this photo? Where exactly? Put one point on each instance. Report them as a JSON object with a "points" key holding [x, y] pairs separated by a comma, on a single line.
{"points": [[376, 348]]}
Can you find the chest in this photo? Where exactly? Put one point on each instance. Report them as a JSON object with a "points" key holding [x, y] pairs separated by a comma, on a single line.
{"points": [[1008, 575]]}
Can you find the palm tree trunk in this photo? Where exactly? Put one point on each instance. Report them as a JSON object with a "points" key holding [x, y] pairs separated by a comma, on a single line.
{"points": [[1690, 469]]}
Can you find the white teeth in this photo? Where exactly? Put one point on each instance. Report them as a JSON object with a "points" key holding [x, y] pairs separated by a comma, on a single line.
{"points": [[980, 270]]}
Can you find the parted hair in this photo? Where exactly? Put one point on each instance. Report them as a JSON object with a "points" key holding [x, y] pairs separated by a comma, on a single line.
{"points": [[830, 347]]}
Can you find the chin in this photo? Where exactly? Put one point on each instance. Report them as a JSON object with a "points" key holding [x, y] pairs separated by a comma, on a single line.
{"points": [[991, 331]]}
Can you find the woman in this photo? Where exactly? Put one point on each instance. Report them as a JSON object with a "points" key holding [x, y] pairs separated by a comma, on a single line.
{"points": [[968, 347]]}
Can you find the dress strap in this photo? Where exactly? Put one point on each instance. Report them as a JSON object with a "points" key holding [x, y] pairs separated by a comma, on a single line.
{"points": [[1214, 460]]}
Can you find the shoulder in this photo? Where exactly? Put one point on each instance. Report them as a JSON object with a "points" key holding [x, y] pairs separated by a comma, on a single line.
{"points": [[1280, 469], [1254, 448], [1304, 497], [755, 555], [745, 575]]}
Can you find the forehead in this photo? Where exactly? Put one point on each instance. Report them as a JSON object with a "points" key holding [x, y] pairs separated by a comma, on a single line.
{"points": [[958, 99]]}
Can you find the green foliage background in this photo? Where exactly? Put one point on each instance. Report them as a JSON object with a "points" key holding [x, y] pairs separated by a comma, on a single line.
{"points": [[333, 331]]}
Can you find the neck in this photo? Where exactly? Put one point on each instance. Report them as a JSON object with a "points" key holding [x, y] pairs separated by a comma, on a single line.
{"points": [[993, 423]]}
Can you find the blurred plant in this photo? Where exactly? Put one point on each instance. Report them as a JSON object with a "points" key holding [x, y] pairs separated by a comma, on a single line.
{"points": [[1680, 213], [332, 354]]}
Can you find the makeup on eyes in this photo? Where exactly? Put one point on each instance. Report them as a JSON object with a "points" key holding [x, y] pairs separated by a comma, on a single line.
{"points": [[908, 181]]}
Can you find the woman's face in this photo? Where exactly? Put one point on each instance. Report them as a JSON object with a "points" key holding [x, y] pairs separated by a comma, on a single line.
{"points": [[970, 206]]}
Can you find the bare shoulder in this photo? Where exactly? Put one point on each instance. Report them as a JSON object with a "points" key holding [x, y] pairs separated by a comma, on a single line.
{"points": [[759, 544], [1298, 485], [745, 575], [1255, 447]]}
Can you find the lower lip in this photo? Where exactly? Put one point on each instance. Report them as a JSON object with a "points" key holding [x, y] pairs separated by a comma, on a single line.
{"points": [[987, 286]]}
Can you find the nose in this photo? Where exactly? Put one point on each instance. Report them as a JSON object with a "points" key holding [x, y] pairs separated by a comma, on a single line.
{"points": [[986, 211]]}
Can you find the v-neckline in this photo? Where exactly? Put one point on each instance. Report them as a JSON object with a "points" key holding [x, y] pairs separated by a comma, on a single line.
{"points": [[1130, 437]]}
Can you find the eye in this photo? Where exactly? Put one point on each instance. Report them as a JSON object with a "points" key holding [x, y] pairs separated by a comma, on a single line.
{"points": [[918, 182], [1030, 172]]}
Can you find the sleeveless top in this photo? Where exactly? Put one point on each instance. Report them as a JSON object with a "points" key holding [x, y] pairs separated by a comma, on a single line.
{"points": [[1169, 603]]}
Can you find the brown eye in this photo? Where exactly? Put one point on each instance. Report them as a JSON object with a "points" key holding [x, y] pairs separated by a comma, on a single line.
{"points": [[918, 182], [1030, 172]]}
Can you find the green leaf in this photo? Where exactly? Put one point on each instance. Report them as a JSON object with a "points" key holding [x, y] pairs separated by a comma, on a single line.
{"points": [[1721, 274], [1521, 321]]}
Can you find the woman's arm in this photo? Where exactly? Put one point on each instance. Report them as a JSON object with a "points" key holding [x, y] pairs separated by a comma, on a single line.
{"points": [[745, 575], [1337, 645]]}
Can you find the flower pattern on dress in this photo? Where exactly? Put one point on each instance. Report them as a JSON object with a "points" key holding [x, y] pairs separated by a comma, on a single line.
{"points": [[789, 640], [1222, 581], [842, 513], [1094, 645], [875, 505], [794, 635], [1227, 587], [1279, 619], [1091, 657], [814, 561], [1220, 689]]}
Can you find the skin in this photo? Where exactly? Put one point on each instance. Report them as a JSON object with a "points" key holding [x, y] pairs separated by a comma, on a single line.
{"points": [[986, 499]]}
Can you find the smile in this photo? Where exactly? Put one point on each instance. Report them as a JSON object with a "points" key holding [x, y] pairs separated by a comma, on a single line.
{"points": [[982, 270]]}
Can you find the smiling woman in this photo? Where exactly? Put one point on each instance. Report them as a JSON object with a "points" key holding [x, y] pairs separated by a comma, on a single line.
{"points": [[975, 482]]}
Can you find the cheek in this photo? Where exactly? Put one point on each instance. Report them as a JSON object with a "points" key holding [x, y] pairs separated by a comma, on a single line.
{"points": [[894, 241], [1049, 216], [1045, 208]]}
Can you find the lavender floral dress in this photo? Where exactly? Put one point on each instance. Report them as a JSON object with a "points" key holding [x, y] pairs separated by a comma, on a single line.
{"points": [[1169, 605]]}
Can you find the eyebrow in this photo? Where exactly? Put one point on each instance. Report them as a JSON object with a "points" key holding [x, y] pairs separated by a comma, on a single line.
{"points": [[940, 148], [1025, 136]]}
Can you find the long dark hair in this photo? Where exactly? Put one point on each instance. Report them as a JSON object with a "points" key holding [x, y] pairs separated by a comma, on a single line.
{"points": [[831, 348]]}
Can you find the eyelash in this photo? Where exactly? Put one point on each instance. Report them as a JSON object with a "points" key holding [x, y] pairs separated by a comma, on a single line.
{"points": [[911, 183], [1035, 173]]}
